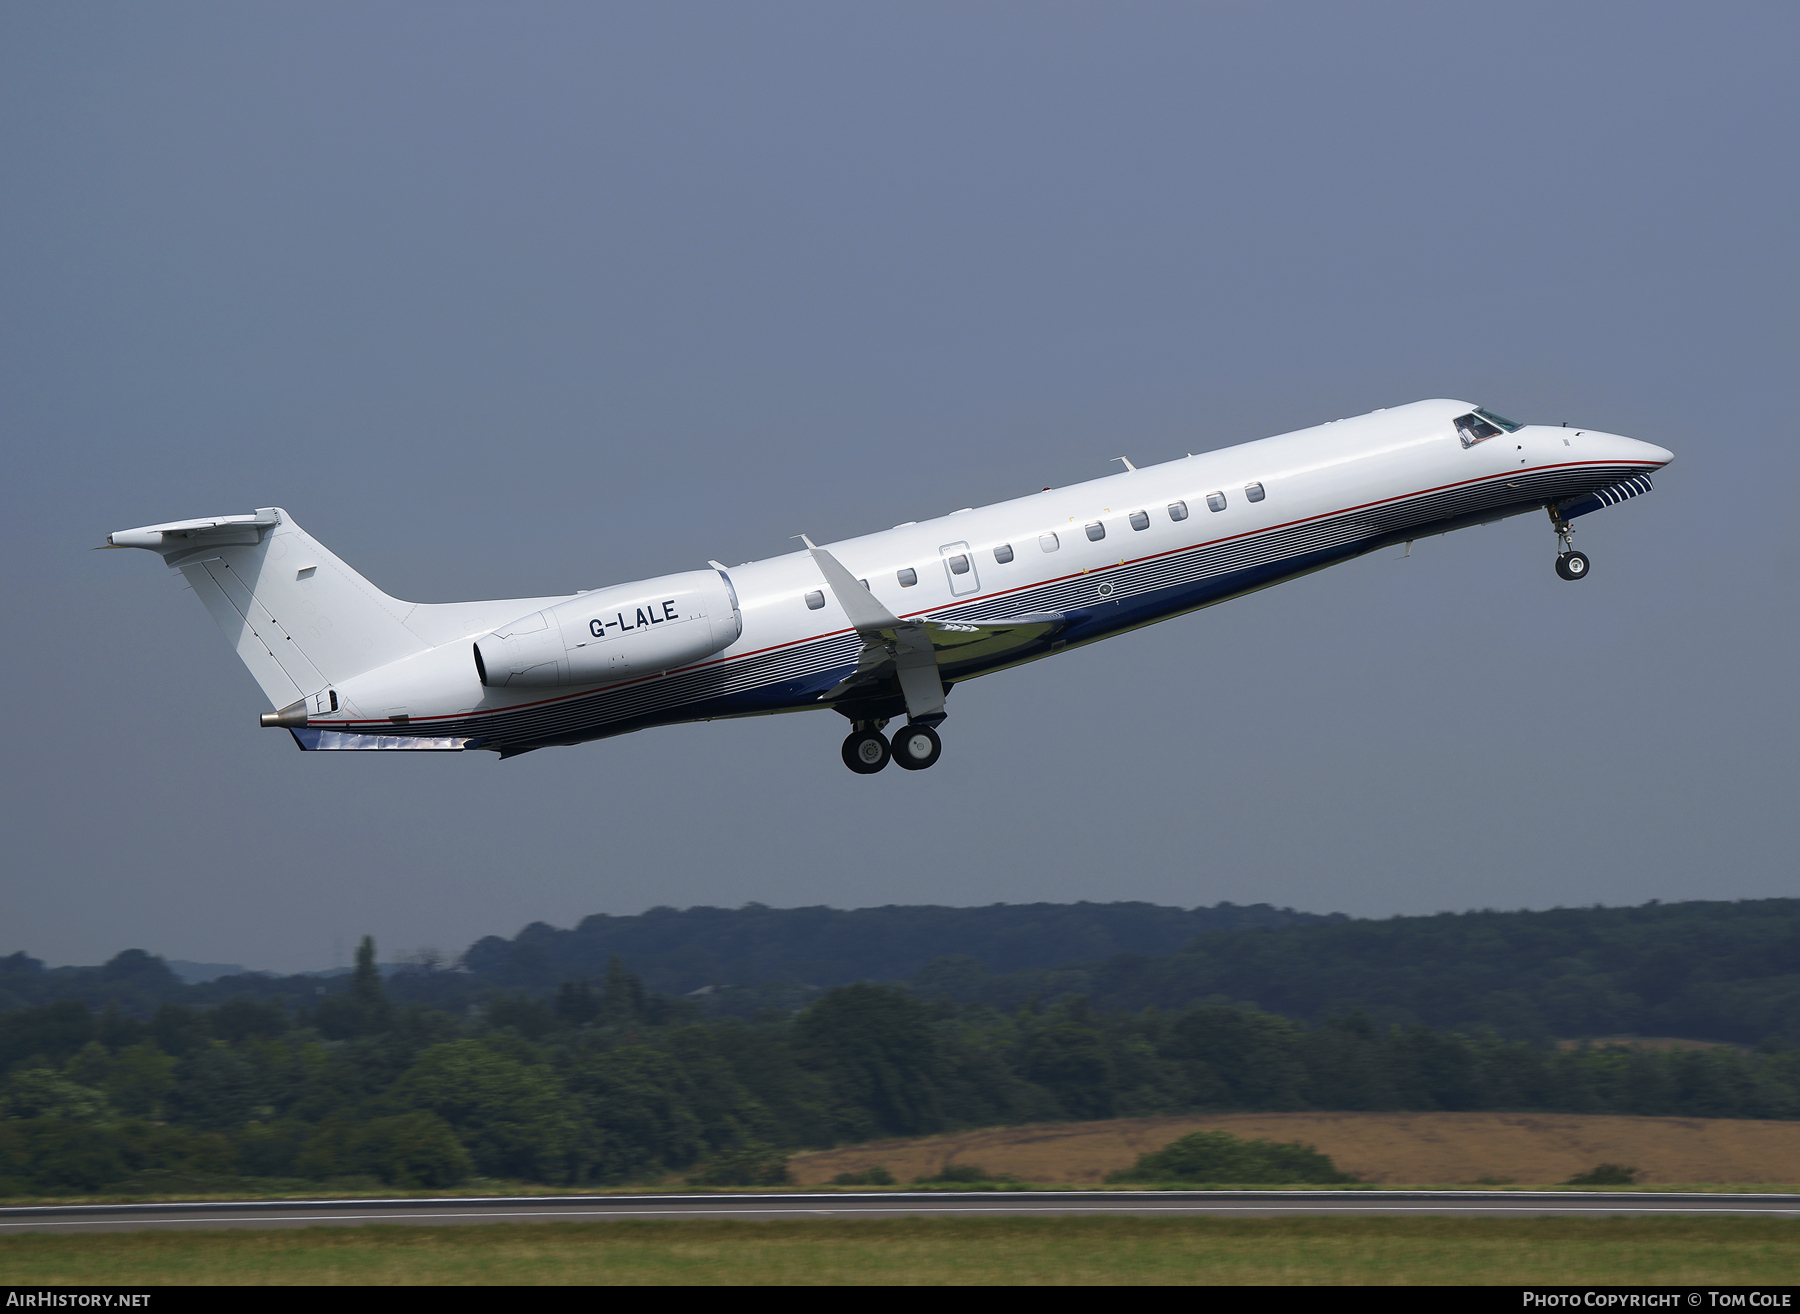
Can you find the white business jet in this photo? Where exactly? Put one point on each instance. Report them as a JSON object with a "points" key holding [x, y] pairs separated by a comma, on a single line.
{"points": [[879, 627]]}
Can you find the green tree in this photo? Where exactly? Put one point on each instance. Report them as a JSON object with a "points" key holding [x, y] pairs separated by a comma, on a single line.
{"points": [[1218, 1156], [363, 1010], [523, 1014], [90, 1067], [412, 1149], [749, 1084], [1433, 1070], [623, 1002], [639, 1104], [239, 1020], [44, 1093], [114, 1030], [177, 1030], [513, 1118], [752, 1164], [1067, 1055], [329, 1150], [877, 1047], [141, 1078], [1234, 1058], [576, 1003], [50, 1154], [51, 1033], [365, 981], [134, 1081], [271, 1149], [215, 1090]]}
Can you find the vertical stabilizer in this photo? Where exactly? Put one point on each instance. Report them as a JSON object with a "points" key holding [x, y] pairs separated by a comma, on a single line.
{"points": [[300, 618]]}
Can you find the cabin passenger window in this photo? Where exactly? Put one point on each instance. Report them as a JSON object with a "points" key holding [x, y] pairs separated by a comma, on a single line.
{"points": [[1049, 542], [1254, 492], [815, 599], [1178, 510], [1215, 501], [1140, 520], [1003, 553], [1096, 532], [907, 577], [959, 564]]}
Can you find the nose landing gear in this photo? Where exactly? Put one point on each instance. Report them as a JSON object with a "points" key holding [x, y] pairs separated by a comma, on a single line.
{"points": [[1570, 564]]}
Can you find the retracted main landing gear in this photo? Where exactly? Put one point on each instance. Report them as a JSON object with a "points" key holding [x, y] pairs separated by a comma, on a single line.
{"points": [[1570, 564], [914, 748]]}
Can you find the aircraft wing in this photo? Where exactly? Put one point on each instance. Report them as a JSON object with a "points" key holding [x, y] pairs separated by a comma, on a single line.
{"points": [[914, 651]]}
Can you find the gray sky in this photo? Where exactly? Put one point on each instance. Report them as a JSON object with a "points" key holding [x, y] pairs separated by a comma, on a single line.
{"points": [[513, 300]]}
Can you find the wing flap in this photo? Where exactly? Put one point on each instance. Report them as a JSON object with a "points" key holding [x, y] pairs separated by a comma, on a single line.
{"points": [[915, 652]]}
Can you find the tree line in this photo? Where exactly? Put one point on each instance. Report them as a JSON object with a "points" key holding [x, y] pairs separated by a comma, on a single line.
{"points": [[677, 951], [1702, 970], [606, 1081]]}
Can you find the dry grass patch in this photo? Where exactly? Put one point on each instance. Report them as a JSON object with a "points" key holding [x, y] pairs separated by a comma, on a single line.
{"points": [[1382, 1148]]}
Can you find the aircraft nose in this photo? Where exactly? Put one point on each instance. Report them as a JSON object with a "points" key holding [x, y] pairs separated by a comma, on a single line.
{"points": [[1651, 452]]}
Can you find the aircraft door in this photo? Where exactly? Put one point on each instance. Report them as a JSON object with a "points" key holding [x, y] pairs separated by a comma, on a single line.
{"points": [[959, 565]]}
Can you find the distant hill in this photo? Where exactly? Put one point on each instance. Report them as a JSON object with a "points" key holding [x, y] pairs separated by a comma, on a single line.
{"points": [[1700, 970], [1704, 970], [678, 951], [201, 973]]}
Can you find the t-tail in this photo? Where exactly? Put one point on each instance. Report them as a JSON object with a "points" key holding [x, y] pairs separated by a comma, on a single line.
{"points": [[348, 666], [301, 620]]}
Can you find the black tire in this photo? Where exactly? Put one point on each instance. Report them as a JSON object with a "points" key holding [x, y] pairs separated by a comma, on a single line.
{"points": [[866, 752], [908, 743], [1572, 565]]}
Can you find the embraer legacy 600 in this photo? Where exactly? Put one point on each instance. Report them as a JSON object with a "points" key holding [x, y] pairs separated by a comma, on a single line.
{"points": [[879, 627]]}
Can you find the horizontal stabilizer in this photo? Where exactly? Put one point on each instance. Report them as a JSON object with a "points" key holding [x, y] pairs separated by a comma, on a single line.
{"points": [[180, 537]]}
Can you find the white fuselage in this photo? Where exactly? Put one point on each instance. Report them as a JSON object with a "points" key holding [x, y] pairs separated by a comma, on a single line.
{"points": [[1288, 505]]}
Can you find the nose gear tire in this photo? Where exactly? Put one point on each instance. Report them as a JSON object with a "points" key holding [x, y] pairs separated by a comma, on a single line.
{"points": [[1572, 565], [917, 747]]}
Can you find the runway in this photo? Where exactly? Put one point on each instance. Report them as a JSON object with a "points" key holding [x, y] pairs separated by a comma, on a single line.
{"points": [[433, 1212]]}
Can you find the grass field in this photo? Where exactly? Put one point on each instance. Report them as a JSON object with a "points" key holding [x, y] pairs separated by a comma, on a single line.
{"points": [[928, 1252], [1383, 1148]]}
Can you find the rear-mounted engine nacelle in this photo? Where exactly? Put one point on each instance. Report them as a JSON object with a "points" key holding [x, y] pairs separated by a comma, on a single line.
{"points": [[614, 634]]}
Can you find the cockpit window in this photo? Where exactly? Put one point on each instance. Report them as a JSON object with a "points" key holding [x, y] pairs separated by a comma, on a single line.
{"points": [[1482, 423], [1473, 429]]}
